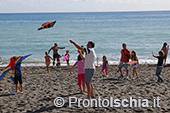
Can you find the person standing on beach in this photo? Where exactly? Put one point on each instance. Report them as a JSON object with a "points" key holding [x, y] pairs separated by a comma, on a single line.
{"points": [[55, 53], [89, 65], [81, 73], [105, 65], [159, 68], [135, 64], [125, 56], [165, 49], [68, 56], [18, 77], [47, 61], [16, 71]]}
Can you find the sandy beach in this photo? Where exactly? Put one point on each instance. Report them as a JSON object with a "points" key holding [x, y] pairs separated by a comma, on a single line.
{"points": [[41, 88]]}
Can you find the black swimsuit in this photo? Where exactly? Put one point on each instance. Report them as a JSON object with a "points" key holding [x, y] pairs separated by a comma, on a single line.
{"points": [[56, 55]]}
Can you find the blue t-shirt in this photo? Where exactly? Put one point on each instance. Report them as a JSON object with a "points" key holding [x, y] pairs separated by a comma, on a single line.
{"points": [[18, 71]]}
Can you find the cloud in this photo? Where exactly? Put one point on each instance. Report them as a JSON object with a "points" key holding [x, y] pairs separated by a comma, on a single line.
{"points": [[14, 2], [131, 1], [80, 0], [114, 1], [18, 2]]}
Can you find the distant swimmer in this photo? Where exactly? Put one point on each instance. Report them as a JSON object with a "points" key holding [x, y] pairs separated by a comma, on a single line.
{"points": [[55, 53]]}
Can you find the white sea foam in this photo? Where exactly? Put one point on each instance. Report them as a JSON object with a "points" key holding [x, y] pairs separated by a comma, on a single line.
{"points": [[41, 63]]}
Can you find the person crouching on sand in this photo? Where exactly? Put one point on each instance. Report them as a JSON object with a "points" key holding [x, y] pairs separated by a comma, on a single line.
{"points": [[135, 64], [105, 65], [47, 61], [81, 73], [159, 68]]}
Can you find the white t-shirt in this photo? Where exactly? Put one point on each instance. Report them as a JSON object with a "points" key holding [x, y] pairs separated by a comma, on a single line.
{"points": [[90, 58]]}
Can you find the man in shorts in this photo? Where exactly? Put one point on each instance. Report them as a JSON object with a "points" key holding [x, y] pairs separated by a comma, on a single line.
{"points": [[90, 58], [125, 56], [56, 54]]}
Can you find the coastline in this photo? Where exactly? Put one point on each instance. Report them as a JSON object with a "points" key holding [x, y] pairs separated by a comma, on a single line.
{"points": [[42, 64], [67, 12], [33, 62]]}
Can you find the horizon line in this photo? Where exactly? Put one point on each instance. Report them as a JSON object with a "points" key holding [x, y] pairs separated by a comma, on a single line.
{"points": [[87, 11]]}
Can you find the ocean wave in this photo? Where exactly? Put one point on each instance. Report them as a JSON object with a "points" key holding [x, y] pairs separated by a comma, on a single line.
{"points": [[42, 63]]}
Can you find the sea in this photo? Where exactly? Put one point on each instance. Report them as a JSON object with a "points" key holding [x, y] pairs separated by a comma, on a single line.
{"points": [[143, 32]]}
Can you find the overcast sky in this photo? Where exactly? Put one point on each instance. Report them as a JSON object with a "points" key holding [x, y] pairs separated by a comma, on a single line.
{"points": [[21, 6]]}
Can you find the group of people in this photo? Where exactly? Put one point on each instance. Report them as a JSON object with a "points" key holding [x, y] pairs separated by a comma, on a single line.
{"points": [[125, 56], [56, 55], [86, 64]]}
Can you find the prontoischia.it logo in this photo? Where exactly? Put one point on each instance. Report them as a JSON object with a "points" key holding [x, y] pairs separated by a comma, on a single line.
{"points": [[111, 102]]}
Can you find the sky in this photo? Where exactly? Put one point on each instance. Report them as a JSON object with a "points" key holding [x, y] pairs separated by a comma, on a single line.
{"points": [[30, 6]]}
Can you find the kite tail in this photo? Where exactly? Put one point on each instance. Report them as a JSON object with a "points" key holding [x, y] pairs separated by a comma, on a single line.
{"points": [[12, 77], [7, 69], [39, 28]]}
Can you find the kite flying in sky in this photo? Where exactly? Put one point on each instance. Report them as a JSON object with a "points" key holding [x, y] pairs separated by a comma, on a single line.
{"points": [[47, 25]]}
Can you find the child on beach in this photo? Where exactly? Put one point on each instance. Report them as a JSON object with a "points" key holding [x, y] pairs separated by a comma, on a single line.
{"points": [[160, 58], [47, 61], [18, 77], [165, 49], [105, 65], [67, 53], [81, 73], [135, 64]]}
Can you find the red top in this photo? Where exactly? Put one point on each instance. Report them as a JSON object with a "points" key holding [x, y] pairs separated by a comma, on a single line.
{"points": [[12, 63], [124, 57]]}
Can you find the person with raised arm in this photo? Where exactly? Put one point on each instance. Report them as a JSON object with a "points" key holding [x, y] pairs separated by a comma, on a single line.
{"points": [[90, 57], [159, 68], [55, 53]]}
